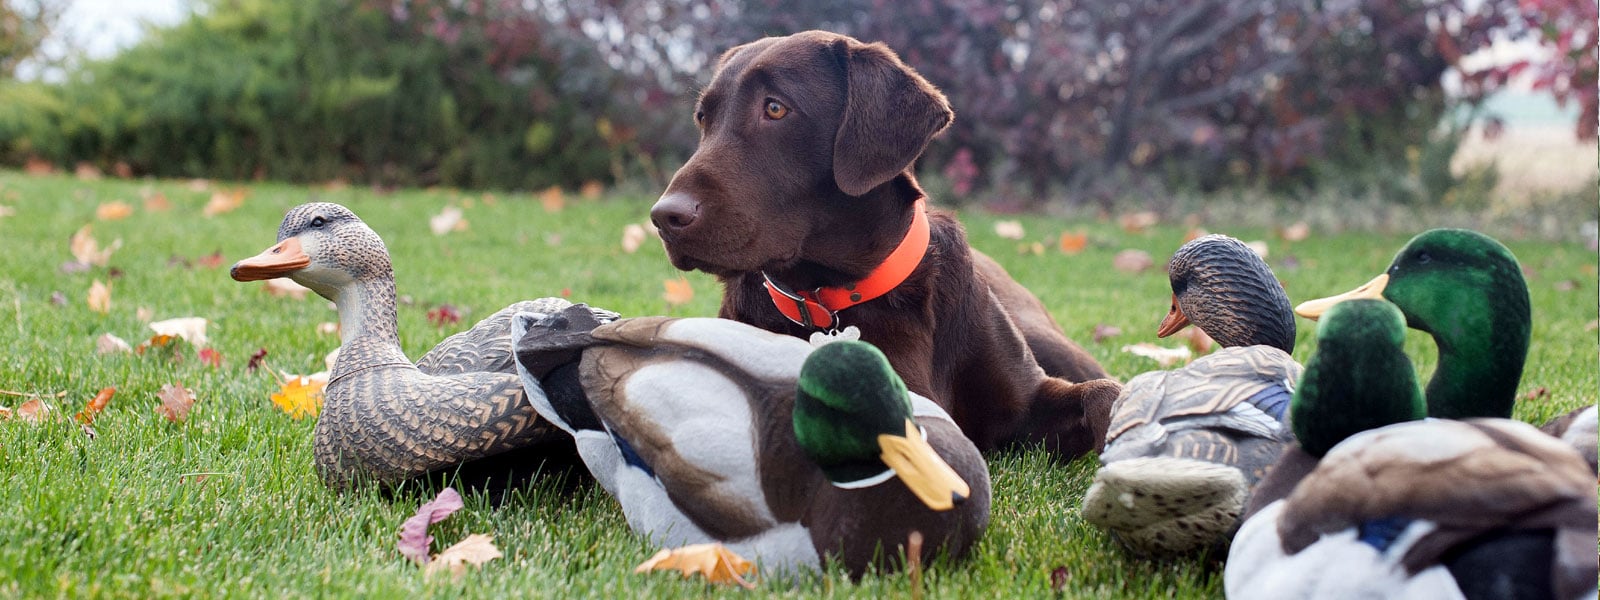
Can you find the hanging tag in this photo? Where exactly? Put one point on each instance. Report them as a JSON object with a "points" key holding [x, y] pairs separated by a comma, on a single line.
{"points": [[819, 338]]}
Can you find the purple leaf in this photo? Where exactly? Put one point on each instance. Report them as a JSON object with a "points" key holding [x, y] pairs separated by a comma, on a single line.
{"points": [[414, 539]]}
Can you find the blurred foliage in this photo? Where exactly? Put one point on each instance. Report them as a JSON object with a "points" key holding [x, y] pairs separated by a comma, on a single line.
{"points": [[24, 26], [1082, 99], [1569, 30]]}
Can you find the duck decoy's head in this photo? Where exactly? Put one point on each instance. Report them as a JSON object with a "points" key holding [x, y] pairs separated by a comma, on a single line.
{"points": [[321, 245], [1222, 286], [852, 416], [1359, 378]]}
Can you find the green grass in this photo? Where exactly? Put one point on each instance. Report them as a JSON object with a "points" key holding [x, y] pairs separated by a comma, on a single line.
{"points": [[122, 515]]}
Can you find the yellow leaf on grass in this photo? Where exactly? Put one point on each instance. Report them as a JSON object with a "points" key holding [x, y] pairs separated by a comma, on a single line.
{"points": [[114, 210], [714, 561], [191, 329], [86, 250], [99, 297], [223, 201], [300, 396], [678, 291], [476, 549], [95, 405]]}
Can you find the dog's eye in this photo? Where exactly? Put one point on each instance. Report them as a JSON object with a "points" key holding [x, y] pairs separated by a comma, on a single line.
{"points": [[700, 117], [776, 110]]}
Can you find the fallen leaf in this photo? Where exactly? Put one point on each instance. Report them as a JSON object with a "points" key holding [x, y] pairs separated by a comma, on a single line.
{"points": [[1073, 243], [87, 172], [255, 360], [328, 328], [1297, 232], [414, 538], [176, 401], [198, 185], [87, 251], [283, 287], [1132, 261], [5, 414], [592, 190], [1195, 233], [113, 211], [37, 166], [1103, 331], [210, 356], [7, 211], [157, 202], [1537, 393], [95, 405], [1592, 326], [1165, 357], [714, 561], [34, 411], [191, 329], [1198, 341], [1034, 248], [1011, 230], [211, 261], [475, 550], [300, 396], [448, 220], [122, 169], [57, 298], [144, 314], [678, 291], [1059, 578], [223, 201], [99, 297], [633, 236], [155, 341], [566, 292], [111, 344], [444, 314], [1259, 246], [552, 199], [1138, 221]]}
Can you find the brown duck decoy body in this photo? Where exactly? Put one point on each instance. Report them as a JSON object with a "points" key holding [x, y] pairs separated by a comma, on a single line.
{"points": [[384, 418]]}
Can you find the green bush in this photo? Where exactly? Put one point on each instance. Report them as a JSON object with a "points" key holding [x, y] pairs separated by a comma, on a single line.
{"points": [[324, 89]]}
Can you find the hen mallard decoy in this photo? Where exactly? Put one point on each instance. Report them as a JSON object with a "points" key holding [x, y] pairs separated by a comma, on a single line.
{"points": [[1186, 446], [385, 419], [1381, 503], [713, 431]]}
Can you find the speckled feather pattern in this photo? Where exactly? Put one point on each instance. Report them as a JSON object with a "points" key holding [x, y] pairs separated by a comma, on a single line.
{"points": [[1243, 303]]}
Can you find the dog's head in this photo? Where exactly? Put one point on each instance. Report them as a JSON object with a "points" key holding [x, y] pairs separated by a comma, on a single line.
{"points": [[793, 131]]}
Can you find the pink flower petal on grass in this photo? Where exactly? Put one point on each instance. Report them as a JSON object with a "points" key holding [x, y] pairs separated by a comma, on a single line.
{"points": [[414, 538]]}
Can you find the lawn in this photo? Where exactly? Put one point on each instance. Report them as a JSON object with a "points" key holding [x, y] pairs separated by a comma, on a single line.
{"points": [[226, 503]]}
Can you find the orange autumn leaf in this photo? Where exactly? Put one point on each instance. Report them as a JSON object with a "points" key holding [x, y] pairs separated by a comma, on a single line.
{"points": [[1073, 243], [159, 340], [223, 201], [114, 210], [592, 190], [300, 396], [95, 405], [157, 202], [99, 297], [678, 291], [552, 199], [176, 401], [34, 411]]}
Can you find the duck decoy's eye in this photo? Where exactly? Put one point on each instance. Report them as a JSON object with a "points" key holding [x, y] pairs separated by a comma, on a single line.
{"points": [[1424, 258], [318, 222]]}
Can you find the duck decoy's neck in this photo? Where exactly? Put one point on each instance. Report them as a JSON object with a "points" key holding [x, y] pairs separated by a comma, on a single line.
{"points": [[1359, 379], [367, 310], [1482, 349]]}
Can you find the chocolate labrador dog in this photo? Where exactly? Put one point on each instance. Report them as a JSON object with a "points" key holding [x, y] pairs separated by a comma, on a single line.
{"points": [[800, 199]]}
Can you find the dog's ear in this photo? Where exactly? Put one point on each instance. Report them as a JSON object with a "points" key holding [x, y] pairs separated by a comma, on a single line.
{"points": [[890, 114]]}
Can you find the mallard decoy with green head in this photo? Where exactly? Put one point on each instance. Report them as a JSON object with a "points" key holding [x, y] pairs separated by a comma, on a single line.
{"points": [[713, 431]]}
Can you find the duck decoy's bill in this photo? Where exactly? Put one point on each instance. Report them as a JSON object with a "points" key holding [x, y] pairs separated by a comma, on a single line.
{"points": [[1313, 309], [927, 475], [1174, 322], [281, 259]]}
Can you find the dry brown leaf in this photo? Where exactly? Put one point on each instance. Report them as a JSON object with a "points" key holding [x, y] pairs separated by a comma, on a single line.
{"points": [[592, 190], [191, 329], [122, 170], [95, 405], [448, 220], [113, 211], [87, 251], [176, 401], [283, 287], [714, 561], [1165, 357], [1011, 230], [157, 202], [300, 396], [552, 199], [475, 550], [223, 201], [111, 344], [632, 237], [99, 297], [87, 172], [37, 166], [5, 414], [210, 261], [1073, 243], [1137, 222], [1297, 232], [1132, 261], [678, 291], [34, 411]]}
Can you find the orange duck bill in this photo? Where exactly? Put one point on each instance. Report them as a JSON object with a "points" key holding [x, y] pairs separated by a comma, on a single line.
{"points": [[281, 259], [1174, 322]]}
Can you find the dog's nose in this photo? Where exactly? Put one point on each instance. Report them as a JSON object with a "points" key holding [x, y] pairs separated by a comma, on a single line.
{"points": [[675, 211]]}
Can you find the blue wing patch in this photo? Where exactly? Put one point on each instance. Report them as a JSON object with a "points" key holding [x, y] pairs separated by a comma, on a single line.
{"points": [[1274, 400], [1381, 533], [630, 456]]}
